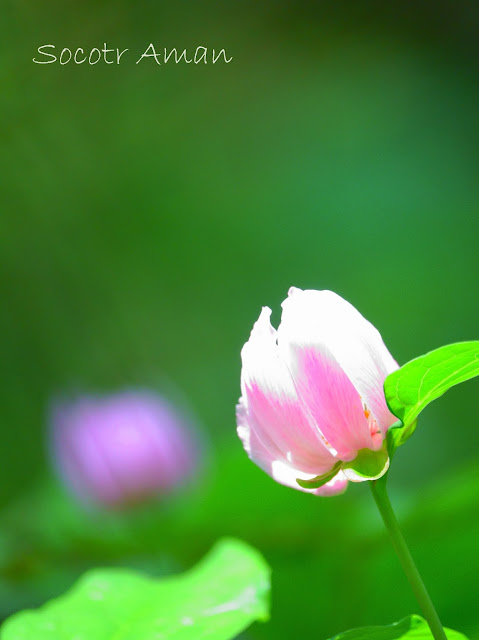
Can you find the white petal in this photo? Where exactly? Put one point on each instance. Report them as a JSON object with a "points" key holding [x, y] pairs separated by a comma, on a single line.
{"points": [[313, 318], [271, 408]]}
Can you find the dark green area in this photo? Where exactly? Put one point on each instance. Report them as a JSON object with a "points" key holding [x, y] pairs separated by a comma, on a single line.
{"points": [[148, 212]]}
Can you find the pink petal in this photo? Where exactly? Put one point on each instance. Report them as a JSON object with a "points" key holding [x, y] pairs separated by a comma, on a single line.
{"points": [[313, 318], [271, 414], [331, 398], [266, 456], [334, 487]]}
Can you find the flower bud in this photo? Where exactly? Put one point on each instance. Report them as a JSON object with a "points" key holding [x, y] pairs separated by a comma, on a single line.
{"points": [[121, 449], [312, 413]]}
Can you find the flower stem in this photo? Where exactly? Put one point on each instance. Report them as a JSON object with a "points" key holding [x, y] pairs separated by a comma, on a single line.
{"points": [[378, 488]]}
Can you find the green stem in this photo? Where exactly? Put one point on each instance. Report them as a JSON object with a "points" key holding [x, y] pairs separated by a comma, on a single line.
{"points": [[378, 488]]}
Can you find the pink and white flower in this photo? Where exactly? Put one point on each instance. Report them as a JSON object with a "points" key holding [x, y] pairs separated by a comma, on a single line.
{"points": [[312, 391], [123, 448]]}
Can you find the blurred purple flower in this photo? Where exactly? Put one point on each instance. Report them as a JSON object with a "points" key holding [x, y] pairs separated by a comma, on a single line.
{"points": [[123, 448]]}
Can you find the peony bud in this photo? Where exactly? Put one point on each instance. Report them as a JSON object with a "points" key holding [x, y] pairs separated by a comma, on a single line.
{"points": [[313, 414], [123, 448]]}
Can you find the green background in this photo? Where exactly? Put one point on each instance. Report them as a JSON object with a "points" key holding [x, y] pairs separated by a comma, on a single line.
{"points": [[148, 212]]}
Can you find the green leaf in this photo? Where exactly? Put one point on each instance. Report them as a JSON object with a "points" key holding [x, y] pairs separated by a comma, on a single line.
{"points": [[410, 628], [412, 387], [367, 465], [318, 481], [216, 600]]}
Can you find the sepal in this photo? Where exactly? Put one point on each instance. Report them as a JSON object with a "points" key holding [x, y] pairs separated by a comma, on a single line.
{"points": [[318, 481], [367, 465]]}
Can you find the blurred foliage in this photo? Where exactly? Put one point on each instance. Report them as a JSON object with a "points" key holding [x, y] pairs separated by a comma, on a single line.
{"points": [[221, 596], [331, 558], [147, 215]]}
